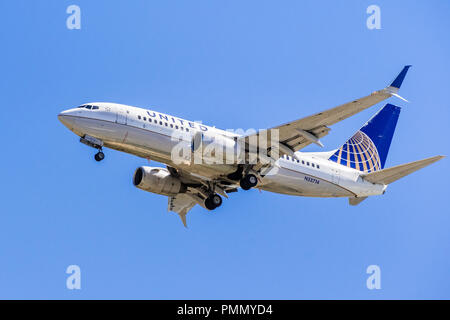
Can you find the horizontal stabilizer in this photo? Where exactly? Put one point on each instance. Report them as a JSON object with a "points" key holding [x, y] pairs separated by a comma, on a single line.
{"points": [[387, 176]]}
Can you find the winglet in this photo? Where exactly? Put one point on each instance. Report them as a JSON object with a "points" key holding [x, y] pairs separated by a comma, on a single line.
{"points": [[397, 83], [399, 96]]}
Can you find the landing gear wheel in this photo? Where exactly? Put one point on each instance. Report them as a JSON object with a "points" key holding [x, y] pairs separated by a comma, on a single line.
{"points": [[213, 202], [248, 182], [99, 156], [216, 200]]}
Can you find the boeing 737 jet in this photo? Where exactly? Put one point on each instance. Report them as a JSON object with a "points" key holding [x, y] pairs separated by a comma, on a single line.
{"points": [[266, 159]]}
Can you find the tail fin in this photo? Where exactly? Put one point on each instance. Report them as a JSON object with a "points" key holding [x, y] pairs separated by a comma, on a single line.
{"points": [[368, 148]]}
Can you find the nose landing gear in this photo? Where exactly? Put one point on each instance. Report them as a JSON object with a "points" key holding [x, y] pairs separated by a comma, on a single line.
{"points": [[99, 156], [94, 143]]}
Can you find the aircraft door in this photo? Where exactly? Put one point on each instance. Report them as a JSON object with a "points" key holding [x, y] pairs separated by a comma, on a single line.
{"points": [[121, 117], [336, 174]]}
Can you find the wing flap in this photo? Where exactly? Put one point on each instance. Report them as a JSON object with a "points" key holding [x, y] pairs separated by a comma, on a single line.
{"points": [[181, 204], [356, 201]]}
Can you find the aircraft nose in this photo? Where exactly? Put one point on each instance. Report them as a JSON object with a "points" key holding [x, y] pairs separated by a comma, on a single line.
{"points": [[68, 112], [66, 118]]}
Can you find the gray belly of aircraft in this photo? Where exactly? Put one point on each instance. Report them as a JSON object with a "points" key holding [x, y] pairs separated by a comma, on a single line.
{"points": [[286, 181], [157, 146]]}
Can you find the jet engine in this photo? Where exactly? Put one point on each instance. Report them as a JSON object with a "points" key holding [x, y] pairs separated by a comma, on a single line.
{"points": [[157, 180]]}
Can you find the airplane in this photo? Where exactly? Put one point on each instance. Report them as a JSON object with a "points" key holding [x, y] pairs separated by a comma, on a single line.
{"points": [[273, 163]]}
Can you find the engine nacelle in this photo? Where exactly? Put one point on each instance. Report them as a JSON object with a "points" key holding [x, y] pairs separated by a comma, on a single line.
{"points": [[157, 180]]}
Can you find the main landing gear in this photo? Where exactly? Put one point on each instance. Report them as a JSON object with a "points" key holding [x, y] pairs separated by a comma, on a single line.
{"points": [[213, 201], [249, 181]]}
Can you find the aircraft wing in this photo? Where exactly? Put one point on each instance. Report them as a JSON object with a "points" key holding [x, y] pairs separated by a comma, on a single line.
{"points": [[181, 204], [297, 134]]}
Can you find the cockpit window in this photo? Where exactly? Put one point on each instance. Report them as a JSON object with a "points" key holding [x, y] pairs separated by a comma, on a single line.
{"points": [[89, 107]]}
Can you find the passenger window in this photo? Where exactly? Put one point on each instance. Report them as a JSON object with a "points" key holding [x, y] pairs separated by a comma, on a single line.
{"points": [[187, 130], [313, 165], [318, 167], [298, 161], [307, 163], [176, 127], [165, 124], [303, 162], [139, 117], [145, 119], [171, 125], [160, 123]]}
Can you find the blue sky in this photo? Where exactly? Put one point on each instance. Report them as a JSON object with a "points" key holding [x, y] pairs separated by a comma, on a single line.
{"points": [[233, 64]]}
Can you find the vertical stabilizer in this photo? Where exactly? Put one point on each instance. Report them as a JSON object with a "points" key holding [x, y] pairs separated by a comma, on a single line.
{"points": [[368, 148]]}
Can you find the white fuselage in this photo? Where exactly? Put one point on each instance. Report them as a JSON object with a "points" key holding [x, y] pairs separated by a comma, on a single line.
{"points": [[149, 134]]}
